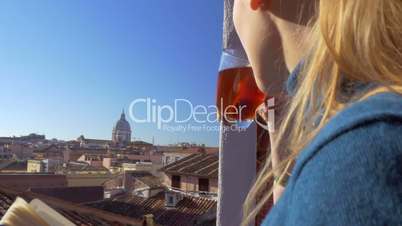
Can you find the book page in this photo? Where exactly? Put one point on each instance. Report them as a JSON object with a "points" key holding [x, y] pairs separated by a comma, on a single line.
{"points": [[52, 217], [21, 213]]}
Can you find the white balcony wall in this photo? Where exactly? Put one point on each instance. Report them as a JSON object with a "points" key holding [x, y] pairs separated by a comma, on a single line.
{"points": [[237, 171]]}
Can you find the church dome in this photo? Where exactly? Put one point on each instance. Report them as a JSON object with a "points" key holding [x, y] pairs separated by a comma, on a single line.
{"points": [[122, 124]]}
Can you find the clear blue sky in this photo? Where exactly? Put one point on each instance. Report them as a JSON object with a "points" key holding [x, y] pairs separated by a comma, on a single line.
{"points": [[68, 67]]}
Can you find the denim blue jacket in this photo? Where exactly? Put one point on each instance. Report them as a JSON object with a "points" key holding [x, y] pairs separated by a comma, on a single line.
{"points": [[351, 172]]}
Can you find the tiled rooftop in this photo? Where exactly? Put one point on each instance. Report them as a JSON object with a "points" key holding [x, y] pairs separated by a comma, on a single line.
{"points": [[83, 166], [184, 214], [141, 143], [73, 194], [45, 149], [151, 181], [143, 176], [181, 150], [96, 141], [202, 165], [15, 166]]}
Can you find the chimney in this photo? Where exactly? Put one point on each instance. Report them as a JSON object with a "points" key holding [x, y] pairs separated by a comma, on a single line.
{"points": [[148, 220], [126, 180], [172, 198]]}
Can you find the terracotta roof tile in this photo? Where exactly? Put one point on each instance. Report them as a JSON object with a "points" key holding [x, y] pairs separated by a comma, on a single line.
{"points": [[184, 214], [73, 194], [201, 165], [83, 166], [16, 165], [47, 148], [151, 181]]}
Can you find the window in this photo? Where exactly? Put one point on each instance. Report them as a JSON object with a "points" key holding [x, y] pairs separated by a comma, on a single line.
{"points": [[170, 200], [203, 184], [176, 182]]}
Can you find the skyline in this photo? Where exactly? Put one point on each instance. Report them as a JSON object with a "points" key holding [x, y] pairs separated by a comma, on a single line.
{"points": [[68, 68]]}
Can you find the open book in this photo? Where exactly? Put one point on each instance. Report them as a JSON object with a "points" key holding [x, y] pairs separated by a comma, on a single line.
{"points": [[35, 213]]}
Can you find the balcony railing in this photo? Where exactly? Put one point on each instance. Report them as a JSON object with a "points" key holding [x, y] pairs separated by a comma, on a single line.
{"points": [[203, 194]]}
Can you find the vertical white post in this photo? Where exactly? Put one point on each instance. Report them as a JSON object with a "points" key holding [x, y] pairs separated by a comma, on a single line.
{"points": [[237, 171]]}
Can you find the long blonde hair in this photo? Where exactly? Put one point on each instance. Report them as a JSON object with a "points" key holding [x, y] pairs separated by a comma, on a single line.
{"points": [[359, 41]]}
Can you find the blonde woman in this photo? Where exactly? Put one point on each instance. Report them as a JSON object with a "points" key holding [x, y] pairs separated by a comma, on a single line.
{"points": [[343, 125]]}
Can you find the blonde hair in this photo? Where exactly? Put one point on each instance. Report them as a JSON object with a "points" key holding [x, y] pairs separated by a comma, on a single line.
{"points": [[358, 41]]}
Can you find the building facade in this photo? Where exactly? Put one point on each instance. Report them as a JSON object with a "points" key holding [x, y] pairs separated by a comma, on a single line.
{"points": [[196, 174], [43, 166], [35, 166], [5, 154], [92, 143]]}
